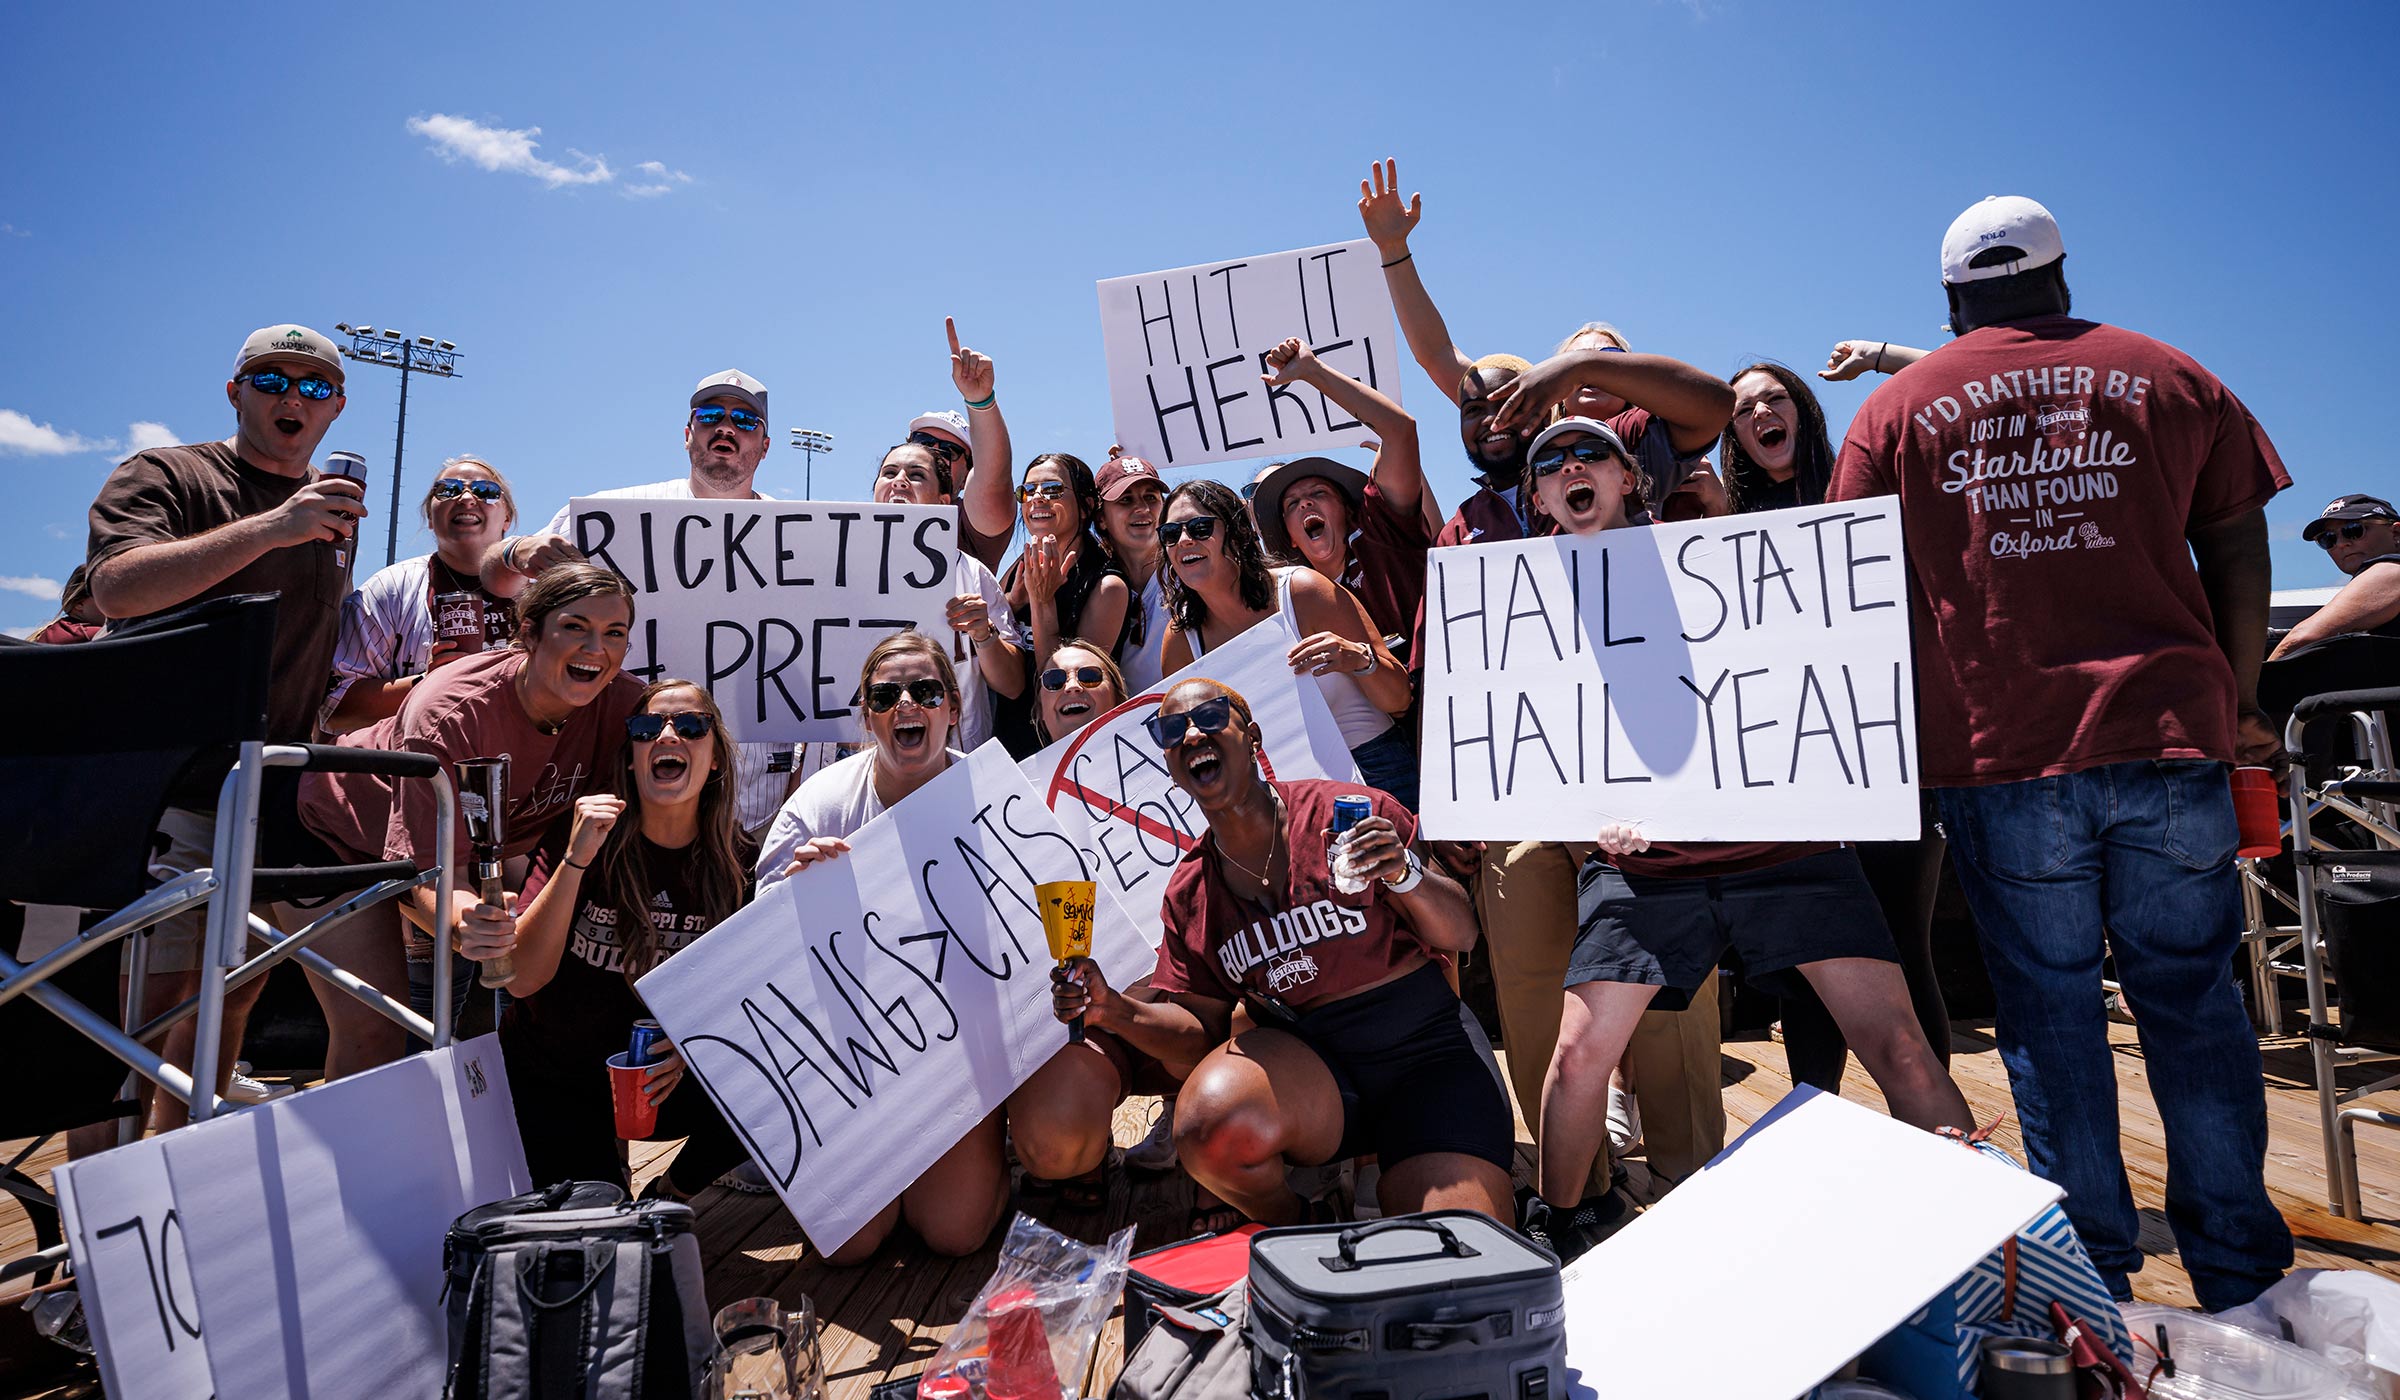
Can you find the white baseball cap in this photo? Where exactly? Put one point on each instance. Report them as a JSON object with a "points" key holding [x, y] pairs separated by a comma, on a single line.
{"points": [[2000, 221], [940, 420], [732, 384]]}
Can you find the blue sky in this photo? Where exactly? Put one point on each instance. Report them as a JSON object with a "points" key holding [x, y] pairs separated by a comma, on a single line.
{"points": [[805, 193]]}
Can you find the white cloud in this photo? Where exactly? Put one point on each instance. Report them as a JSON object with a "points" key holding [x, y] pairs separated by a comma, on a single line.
{"points": [[56, 532], [659, 180], [32, 586], [21, 436], [503, 151], [12, 231], [145, 435]]}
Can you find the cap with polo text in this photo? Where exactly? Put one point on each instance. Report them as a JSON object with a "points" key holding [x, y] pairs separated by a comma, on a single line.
{"points": [[289, 342], [2000, 221]]}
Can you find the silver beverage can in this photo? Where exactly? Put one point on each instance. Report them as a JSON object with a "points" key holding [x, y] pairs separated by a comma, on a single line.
{"points": [[348, 464]]}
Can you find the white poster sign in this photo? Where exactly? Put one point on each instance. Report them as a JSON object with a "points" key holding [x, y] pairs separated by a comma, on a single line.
{"points": [[1186, 349], [773, 605], [133, 1268], [312, 1226], [1847, 1223], [1745, 678], [858, 1018], [1108, 784]]}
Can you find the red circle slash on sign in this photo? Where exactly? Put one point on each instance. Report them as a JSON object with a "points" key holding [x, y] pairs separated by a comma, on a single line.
{"points": [[1108, 807]]}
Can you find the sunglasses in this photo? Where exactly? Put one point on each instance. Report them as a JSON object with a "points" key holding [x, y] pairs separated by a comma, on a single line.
{"points": [[268, 381], [450, 488], [1209, 717], [715, 413], [1047, 490], [1056, 677], [1250, 490], [1199, 527], [689, 724], [928, 693], [943, 448], [1590, 453], [2348, 530]]}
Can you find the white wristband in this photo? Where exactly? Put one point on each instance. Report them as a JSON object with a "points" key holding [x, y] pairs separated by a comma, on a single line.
{"points": [[1414, 877]]}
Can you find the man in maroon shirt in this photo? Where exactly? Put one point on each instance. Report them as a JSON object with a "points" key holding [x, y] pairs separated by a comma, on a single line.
{"points": [[2082, 687]]}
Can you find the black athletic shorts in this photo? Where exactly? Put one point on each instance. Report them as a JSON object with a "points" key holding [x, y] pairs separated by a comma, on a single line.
{"points": [[1412, 1080], [1670, 933]]}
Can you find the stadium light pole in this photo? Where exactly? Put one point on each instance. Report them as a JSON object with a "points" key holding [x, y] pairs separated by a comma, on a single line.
{"points": [[421, 354], [811, 442]]}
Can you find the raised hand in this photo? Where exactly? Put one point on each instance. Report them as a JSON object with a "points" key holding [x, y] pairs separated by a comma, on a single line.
{"points": [[970, 370], [327, 508], [1388, 221], [1290, 362], [595, 816], [1045, 570], [969, 614], [1850, 359]]}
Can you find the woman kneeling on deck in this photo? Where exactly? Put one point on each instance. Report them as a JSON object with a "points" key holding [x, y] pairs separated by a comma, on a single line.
{"points": [[1360, 1046]]}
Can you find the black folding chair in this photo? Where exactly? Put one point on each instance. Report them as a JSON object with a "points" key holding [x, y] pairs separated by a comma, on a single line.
{"points": [[96, 740]]}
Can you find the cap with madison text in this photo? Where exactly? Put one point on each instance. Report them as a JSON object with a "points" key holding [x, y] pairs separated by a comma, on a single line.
{"points": [[289, 342], [732, 384], [2000, 221], [2353, 507]]}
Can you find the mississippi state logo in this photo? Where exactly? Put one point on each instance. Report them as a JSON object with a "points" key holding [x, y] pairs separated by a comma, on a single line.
{"points": [[2071, 418]]}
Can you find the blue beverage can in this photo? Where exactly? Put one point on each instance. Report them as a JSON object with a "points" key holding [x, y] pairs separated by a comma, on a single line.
{"points": [[644, 1048], [1350, 809]]}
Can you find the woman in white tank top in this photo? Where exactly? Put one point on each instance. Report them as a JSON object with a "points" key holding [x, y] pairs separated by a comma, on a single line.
{"points": [[1219, 585]]}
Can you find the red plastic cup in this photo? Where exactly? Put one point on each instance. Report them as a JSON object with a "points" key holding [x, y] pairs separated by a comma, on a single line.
{"points": [[2256, 813], [637, 1117]]}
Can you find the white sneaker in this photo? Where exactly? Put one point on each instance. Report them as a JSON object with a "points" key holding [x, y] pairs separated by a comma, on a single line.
{"points": [[1156, 1151], [1624, 1123], [245, 1090]]}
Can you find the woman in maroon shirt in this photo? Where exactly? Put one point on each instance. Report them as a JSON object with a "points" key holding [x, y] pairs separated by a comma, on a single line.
{"points": [[651, 863], [1359, 1045]]}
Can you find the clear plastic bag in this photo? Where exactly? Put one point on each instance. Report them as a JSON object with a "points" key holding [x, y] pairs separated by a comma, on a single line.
{"points": [[1029, 1334]]}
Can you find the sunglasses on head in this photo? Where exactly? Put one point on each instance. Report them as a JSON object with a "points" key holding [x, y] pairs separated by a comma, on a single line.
{"points": [[710, 415], [1199, 527], [1590, 452], [942, 447], [690, 724], [269, 381], [1056, 677], [1047, 490], [1250, 490], [2347, 530], [450, 488], [928, 693], [1209, 717]]}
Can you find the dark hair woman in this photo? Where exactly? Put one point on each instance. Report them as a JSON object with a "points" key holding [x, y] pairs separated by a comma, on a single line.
{"points": [[1775, 450], [1064, 583], [1220, 585], [1360, 1044], [644, 869]]}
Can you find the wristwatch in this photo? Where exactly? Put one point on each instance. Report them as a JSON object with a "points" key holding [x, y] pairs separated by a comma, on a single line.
{"points": [[1409, 881]]}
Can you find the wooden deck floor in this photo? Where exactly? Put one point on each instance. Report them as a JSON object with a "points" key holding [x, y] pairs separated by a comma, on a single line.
{"points": [[884, 1319]]}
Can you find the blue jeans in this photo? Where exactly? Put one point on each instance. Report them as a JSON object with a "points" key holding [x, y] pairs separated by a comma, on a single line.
{"points": [[2139, 855]]}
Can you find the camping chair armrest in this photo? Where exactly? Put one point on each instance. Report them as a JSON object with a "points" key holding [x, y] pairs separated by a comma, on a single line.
{"points": [[336, 758], [2316, 705]]}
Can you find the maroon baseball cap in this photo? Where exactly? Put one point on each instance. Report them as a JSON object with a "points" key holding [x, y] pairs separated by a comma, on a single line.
{"points": [[1118, 475]]}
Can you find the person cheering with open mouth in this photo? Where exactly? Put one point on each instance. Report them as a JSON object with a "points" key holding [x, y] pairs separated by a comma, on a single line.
{"points": [[1359, 1045], [1064, 583], [1220, 585]]}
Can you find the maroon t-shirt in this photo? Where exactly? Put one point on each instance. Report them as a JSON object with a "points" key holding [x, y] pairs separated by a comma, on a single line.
{"points": [[2048, 472], [1668, 860], [1387, 564], [469, 709], [1303, 949]]}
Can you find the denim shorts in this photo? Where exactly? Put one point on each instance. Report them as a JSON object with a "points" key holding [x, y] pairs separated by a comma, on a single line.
{"points": [[1670, 933]]}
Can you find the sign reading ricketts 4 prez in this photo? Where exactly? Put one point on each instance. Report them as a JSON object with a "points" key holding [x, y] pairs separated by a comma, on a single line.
{"points": [[773, 605], [1745, 678]]}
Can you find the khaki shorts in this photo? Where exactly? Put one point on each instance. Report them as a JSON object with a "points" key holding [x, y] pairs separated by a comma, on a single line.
{"points": [[173, 943]]}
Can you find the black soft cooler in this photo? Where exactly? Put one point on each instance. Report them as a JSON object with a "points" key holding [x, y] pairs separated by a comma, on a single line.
{"points": [[1446, 1305]]}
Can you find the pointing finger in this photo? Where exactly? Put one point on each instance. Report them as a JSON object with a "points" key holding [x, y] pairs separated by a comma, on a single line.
{"points": [[950, 324]]}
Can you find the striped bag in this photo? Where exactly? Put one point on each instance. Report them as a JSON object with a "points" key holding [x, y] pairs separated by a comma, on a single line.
{"points": [[1937, 1355]]}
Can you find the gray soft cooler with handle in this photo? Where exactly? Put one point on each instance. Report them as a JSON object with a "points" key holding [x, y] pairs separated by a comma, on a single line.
{"points": [[1446, 1305]]}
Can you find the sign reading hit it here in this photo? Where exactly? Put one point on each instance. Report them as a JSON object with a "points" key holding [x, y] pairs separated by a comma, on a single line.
{"points": [[1186, 348]]}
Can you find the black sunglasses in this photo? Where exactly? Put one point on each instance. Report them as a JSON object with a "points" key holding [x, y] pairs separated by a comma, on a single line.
{"points": [[710, 415], [690, 724], [1199, 527], [2347, 530], [1250, 490], [268, 381], [943, 448], [1591, 453], [1056, 677], [928, 693], [1209, 717], [450, 488], [1047, 490]]}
